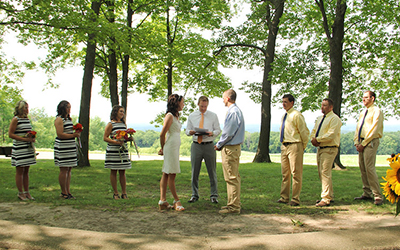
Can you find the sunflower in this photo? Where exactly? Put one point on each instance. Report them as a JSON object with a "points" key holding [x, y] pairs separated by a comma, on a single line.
{"points": [[388, 192], [393, 174]]}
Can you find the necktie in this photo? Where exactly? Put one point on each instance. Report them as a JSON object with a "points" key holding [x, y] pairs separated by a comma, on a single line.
{"points": [[319, 127], [283, 127], [362, 124], [200, 137]]}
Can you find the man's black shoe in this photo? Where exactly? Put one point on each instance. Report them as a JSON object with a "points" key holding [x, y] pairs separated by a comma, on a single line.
{"points": [[214, 200], [362, 197], [193, 199]]}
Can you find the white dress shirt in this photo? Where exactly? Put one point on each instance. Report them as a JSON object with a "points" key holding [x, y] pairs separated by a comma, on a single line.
{"points": [[211, 123]]}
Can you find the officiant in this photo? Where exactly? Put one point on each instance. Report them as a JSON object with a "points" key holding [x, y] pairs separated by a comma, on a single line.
{"points": [[203, 126]]}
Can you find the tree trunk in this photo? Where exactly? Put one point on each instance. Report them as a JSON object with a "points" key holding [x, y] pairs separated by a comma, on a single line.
{"points": [[169, 78], [112, 60], [125, 62], [336, 57], [84, 113], [262, 154]]}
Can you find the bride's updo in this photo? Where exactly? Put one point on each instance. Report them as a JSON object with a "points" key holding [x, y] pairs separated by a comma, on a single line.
{"points": [[173, 104]]}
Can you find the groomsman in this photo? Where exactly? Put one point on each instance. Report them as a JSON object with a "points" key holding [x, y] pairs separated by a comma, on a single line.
{"points": [[203, 147], [294, 139], [326, 136], [366, 139], [230, 146]]}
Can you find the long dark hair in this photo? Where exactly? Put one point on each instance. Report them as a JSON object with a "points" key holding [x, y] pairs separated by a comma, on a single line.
{"points": [[114, 113], [62, 110], [173, 104]]}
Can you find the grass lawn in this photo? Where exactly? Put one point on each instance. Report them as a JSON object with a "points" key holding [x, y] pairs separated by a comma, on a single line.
{"points": [[260, 188]]}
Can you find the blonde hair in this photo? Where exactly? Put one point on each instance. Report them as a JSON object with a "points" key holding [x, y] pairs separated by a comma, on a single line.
{"points": [[19, 108]]}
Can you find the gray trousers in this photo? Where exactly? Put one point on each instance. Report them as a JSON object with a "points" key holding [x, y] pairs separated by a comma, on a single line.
{"points": [[198, 153]]}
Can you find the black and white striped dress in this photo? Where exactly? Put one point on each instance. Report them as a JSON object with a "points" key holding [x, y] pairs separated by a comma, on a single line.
{"points": [[23, 154], [65, 151], [117, 159]]}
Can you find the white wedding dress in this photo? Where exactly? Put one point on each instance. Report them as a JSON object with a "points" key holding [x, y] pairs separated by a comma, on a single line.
{"points": [[171, 148]]}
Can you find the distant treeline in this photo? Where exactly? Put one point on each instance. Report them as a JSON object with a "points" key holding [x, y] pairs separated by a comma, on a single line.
{"points": [[44, 126]]}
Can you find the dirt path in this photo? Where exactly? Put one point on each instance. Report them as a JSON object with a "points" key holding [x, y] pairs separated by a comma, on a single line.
{"points": [[36, 226], [185, 224]]}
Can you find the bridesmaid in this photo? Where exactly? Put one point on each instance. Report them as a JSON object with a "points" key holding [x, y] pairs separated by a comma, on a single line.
{"points": [[23, 153], [65, 150], [170, 149], [117, 156]]}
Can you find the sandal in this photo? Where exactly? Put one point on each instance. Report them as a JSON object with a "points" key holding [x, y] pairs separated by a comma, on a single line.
{"points": [[22, 196], [28, 196], [178, 207], [124, 196], [164, 205], [70, 196], [64, 196], [116, 197]]}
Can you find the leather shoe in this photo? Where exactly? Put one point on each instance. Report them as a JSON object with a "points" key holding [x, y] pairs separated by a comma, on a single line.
{"points": [[318, 201], [193, 199], [362, 197], [229, 211], [294, 204], [281, 201], [322, 204], [214, 200]]}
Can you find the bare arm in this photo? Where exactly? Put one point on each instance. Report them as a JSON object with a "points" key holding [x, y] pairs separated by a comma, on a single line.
{"points": [[107, 133], [58, 123], [12, 135], [167, 124]]}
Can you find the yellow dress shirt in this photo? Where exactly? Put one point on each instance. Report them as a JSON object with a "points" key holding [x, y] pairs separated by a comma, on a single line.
{"points": [[295, 127], [373, 125], [329, 134]]}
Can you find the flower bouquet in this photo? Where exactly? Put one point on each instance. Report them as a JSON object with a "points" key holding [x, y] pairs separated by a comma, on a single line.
{"points": [[125, 135], [78, 128], [31, 134], [391, 188]]}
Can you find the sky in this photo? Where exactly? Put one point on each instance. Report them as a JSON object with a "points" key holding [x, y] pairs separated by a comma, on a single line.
{"points": [[140, 110]]}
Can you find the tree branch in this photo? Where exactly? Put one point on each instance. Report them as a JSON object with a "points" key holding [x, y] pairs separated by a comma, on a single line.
{"points": [[321, 6], [216, 53]]}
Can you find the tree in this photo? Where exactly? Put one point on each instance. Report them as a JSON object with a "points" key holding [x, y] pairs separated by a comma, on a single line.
{"points": [[84, 112], [251, 35], [179, 56]]}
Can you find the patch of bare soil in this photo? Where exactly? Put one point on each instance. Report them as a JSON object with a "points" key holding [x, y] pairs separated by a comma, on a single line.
{"points": [[185, 224]]}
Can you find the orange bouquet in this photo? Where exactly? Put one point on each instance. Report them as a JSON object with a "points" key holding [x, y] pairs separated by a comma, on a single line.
{"points": [[125, 135], [31, 134]]}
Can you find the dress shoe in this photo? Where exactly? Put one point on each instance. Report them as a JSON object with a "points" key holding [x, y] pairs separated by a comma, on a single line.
{"points": [[362, 197], [193, 199], [281, 201], [214, 200], [322, 204], [318, 201], [378, 202], [229, 211], [294, 204]]}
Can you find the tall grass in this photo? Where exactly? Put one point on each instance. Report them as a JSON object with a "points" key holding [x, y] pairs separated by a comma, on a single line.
{"points": [[260, 188]]}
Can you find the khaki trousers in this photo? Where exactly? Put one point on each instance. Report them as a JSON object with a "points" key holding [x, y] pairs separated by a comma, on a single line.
{"points": [[325, 159], [366, 161], [292, 166], [230, 164]]}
